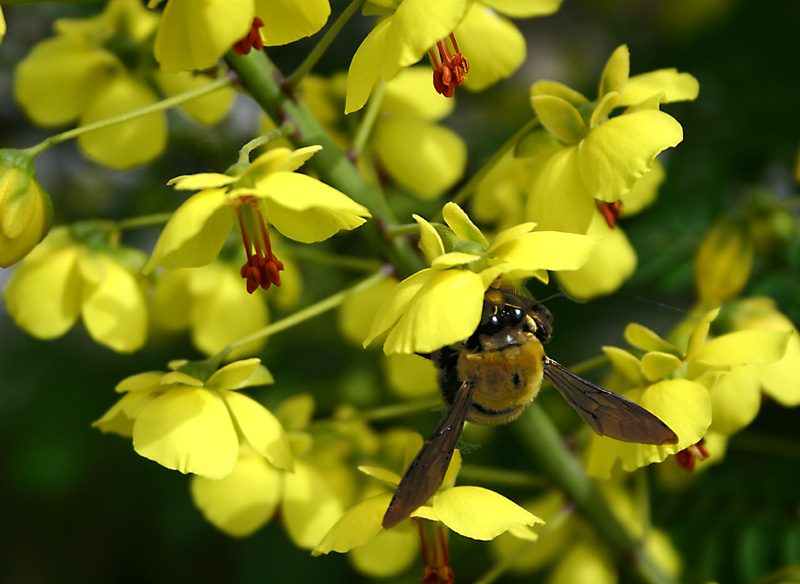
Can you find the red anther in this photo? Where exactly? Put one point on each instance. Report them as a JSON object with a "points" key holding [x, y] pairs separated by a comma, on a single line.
{"points": [[611, 212], [688, 457], [251, 40]]}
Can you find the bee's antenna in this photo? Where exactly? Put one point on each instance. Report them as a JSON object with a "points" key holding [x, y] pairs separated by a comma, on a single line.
{"points": [[651, 301], [552, 297]]}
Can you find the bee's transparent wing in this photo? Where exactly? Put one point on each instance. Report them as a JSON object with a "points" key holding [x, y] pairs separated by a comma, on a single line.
{"points": [[426, 472], [606, 412]]}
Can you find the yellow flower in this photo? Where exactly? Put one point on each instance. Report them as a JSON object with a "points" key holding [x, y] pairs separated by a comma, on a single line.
{"points": [[194, 35], [70, 275], [2, 25], [679, 385], [95, 68], [308, 498], [723, 264], [473, 512], [194, 421], [441, 305], [583, 153], [409, 30], [212, 304], [266, 191], [26, 211]]}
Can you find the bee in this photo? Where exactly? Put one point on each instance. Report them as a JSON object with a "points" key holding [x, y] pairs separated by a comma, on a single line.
{"points": [[493, 376]]}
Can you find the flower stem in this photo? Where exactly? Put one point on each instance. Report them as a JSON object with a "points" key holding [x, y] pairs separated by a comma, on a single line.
{"points": [[264, 82], [370, 116], [311, 311], [314, 56], [244, 152], [467, 190], [143, 221], [162, 105], [538, 434], [401, 230], [310, 254]]}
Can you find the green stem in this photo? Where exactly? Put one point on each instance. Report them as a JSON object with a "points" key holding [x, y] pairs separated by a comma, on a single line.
{"points": [[538, 434], [370, 116], [310, 254], [143, 221], [244, 151], [314, 56], [264, 82], [162, 105], [500, 476], [401, 230], [309, 312], [464, 192]]}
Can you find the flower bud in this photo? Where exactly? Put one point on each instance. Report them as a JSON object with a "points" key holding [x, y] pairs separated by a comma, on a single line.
{"points": [[724, 261], [25, 208]]}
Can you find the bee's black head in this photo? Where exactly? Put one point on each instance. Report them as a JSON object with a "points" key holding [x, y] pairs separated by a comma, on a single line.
{"points": [[506, 310]]}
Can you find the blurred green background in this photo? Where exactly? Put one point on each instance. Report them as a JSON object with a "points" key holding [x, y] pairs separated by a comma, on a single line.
{"points": [[78, 506]]}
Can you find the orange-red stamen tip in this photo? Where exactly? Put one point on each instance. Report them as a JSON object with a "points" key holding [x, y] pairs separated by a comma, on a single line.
{"points": [[449, 70], [611, 212], [259, 271], [251, 40], [688, 457]]}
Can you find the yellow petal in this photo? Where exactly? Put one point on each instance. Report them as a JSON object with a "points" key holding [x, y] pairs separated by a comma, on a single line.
{"points": [[700, 333], [190, 430], [524, 8], [758, 347], [365, 68], [430, 242], [207, 109], [558, 199], [656, 365], [201, 181], [123, 146], [453, 259], [445, 310], [560, 118], [479, 513], [358, 311], [462, 225], [116, 419], [194, 234], [411, 93], [310, 508], [584, 562], [226, 314], [286, 21], [194, 36], [423, 157], [393, 306], [356, 527], [260, 428], [410, 376], [307, 210], [643, 338], [391, 479], [612, 262], [243, 501], [618, 152], [115, 310], [735, 399], [626, 364], [617, 69], [54, 83], [140, 381], [43, 297], [672, 86], [389, 553], [494, 47], [239, 374], [548, 250], [556, 89]]}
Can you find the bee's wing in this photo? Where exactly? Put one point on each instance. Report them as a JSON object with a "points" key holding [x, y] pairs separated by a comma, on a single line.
{"points": [[426, 472], [608, 413]]}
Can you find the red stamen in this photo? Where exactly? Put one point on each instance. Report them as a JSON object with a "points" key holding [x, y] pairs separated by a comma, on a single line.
{"points": [[251, 39], [262, 268], [688, 457], [435, 553], [449, 70], [611, 212]]}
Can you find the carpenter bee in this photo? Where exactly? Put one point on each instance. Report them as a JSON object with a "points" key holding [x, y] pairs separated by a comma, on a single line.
{"points": [[493, 376]]}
